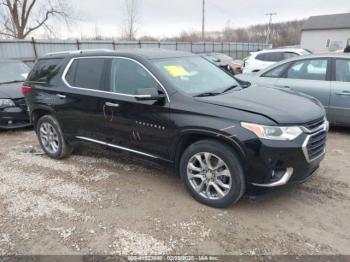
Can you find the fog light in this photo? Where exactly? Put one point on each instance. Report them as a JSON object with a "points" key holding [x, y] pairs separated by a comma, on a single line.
{"points": [[10, 122], [277, 174]]}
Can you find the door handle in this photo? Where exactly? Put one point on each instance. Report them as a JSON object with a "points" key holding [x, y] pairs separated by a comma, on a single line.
{"points": [[61, 96], [344, 93], [111, 104]]}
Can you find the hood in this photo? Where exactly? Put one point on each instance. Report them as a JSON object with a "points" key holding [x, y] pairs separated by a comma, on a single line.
{"points": [[284, 107], [12, 91]]}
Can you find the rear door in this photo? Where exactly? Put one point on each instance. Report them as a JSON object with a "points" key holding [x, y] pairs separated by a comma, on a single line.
{"points": [[309, 76], [130, 123], [340, 92], [81, 101]]}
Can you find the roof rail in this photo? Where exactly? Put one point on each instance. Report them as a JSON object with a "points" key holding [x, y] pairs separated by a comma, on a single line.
{"points": [[72, 52]]}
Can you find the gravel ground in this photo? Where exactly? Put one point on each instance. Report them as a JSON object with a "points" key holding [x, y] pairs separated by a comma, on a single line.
{"points": [[101, 202]]}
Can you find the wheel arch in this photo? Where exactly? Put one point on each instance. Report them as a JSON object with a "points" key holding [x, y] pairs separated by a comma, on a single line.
{"points": [[38, 112], [187, 138]]}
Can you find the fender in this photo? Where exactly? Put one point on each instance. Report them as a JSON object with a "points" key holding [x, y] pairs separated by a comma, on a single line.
{"points": [[177, 142], [41, 107]]}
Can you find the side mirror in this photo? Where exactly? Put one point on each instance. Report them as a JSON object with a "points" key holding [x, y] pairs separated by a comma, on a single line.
{"points": [[148, 94]]}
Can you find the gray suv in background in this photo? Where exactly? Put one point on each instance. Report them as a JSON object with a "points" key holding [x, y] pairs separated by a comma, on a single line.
{"points": [[325, 77]]}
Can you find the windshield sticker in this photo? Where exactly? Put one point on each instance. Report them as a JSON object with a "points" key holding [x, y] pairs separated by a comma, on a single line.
{"points": [[176, 71]]}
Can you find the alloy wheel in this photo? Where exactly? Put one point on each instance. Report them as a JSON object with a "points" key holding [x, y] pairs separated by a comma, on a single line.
{"points": [[49, 138], [209, 175]]}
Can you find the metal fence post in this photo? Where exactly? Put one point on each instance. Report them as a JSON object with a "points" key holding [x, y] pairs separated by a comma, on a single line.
{"points": [[78, 45], [34, 48]]}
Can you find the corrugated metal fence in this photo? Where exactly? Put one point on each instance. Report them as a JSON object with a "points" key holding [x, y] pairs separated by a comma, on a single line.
{"points": [[29, 50]]}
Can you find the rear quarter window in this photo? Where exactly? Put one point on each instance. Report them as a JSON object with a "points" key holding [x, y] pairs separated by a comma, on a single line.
{"points": [[87, 73], [46, 71]]}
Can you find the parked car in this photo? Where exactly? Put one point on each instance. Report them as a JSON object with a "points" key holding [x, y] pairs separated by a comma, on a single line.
{"points": [[325, 77], [225, 62], [265, 58], [181, 110], [13, 109]]}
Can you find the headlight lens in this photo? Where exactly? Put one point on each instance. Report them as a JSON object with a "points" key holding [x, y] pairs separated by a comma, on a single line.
{"points": [[274, 132], [6, 103]]}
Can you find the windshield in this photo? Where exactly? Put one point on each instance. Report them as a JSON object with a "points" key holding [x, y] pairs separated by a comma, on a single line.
{"points": [[13, 71], [195, 75]]}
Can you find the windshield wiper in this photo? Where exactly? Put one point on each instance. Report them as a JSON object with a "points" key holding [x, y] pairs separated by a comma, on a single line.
{"points": [[229, 88], [12, 82], [208, 94]]}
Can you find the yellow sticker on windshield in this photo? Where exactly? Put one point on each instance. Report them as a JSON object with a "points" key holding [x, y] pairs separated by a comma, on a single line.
{"points": [[176, 71]]}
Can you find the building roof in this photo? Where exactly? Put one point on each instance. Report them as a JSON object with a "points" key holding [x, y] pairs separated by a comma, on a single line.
{"points": [[324, 22]]}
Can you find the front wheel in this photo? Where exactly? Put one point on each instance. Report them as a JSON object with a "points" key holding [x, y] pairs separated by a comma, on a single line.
{"points": [[212, 173], [51, 138]]}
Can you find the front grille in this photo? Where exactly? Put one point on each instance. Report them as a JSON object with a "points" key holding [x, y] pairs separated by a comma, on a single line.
{"points": [[312, 125], [316, 145]]}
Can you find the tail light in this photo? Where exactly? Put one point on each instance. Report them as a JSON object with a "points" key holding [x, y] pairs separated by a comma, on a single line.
{"points": [[26, 90]]}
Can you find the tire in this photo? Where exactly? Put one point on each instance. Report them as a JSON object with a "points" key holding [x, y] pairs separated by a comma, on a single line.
{"points": [[228, 176], [59, 148]]}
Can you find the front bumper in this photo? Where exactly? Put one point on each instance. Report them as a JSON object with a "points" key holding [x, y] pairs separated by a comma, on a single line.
{"points": [[13, 118], [280, 163]]}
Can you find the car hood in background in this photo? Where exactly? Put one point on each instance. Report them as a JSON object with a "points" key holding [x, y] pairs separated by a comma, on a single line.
{"points": [[251, 77], [284, 107], [12, 91]]}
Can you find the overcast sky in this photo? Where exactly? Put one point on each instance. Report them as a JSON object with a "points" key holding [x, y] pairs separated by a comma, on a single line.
{"points": [[169, 17]]}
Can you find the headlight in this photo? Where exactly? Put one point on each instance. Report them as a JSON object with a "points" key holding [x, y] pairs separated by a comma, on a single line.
{"points": [[6, 103], [274, 132]]}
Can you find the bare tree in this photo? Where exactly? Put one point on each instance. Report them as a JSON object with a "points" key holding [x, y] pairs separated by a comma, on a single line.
{"points": [[131, 19], [20, 18]]}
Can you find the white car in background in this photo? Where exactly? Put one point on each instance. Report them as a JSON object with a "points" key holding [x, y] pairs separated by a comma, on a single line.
{"points": [[265, 58]]}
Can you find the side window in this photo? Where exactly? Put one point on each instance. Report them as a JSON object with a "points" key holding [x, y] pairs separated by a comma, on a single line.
{"points": [[315, 69], [288, 55], [260, 57], [342, 70], [274, 57], [86, 73], [45, 70], [276, 72], [127, 77]]}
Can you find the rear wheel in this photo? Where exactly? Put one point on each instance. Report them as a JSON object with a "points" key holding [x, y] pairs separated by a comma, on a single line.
{"points": [[212, 173], [51, 139]]}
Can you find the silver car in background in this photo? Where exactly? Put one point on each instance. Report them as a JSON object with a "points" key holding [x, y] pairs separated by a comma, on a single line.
{"points": [[325, 77]]}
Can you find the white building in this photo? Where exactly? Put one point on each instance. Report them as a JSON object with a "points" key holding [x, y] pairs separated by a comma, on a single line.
{"points": [[326, 33]]}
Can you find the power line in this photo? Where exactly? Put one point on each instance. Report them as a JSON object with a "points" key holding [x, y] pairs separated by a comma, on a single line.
{"points": [[269, 26]]}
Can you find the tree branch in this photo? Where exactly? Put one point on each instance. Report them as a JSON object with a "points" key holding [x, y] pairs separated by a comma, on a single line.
{"points": [[43, 21]]}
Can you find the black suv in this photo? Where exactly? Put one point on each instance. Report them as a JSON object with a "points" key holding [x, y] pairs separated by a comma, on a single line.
{"points": [[222, 137]]}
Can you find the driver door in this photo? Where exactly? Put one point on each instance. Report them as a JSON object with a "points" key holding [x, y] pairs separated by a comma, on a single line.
{"points": [[130, 123]]}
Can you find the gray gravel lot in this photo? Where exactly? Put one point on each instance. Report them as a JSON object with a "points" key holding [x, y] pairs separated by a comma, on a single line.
{"points": [[100, 202]]}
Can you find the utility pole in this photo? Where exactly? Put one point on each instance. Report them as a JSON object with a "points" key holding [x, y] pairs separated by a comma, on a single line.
{"points": [[269, 26], [203, 20]]}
